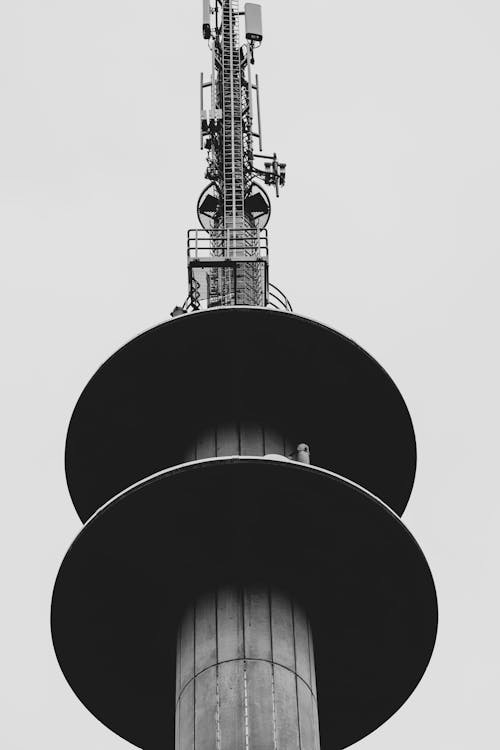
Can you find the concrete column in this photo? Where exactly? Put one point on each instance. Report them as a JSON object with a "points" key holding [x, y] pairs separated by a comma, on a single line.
{"points": [[245, 674], [241, 438]]}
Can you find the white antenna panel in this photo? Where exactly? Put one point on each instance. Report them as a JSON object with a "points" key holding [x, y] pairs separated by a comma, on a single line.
{"points": [[206, 19], [253, 21]]}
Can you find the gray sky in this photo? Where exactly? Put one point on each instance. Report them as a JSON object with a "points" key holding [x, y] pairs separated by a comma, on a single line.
{"points": [[388, 116]]}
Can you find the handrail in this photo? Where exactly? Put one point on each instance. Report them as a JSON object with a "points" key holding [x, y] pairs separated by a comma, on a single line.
{"points": [[236, 245], [229, 243], [281, 298]]}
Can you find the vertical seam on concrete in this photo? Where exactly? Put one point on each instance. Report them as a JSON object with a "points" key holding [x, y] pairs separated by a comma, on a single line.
{"points": [[315, 723], [177, 687], [180, 656], [296, 681], [273, 687], [309, 651], [245, 686], [178, 665], [245, 704], [243, 622], [194, 675], [217, 689]]}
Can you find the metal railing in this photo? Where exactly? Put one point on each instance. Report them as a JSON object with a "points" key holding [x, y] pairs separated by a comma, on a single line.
{"points": [[231, 243], [277, 299]]}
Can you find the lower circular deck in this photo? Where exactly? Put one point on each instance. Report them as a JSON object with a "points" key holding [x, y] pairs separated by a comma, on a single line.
{"points": [[340, 552]]}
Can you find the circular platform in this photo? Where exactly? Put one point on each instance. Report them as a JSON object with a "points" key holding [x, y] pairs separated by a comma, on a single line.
{"points": [[343, 554], [146, 403]]}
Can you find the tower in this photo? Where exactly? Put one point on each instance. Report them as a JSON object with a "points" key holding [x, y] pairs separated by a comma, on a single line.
{"points": [[243, 580]]}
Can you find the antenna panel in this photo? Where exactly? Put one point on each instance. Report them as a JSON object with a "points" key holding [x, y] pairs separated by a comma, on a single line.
{"points": [[253, 21], [206, 19]]}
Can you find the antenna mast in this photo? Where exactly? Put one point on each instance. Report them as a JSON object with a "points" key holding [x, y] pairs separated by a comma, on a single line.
{"points": [[228, 258]]}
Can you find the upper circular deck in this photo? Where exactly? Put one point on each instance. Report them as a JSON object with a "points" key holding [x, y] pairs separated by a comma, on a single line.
{"points": [[148, 400]]}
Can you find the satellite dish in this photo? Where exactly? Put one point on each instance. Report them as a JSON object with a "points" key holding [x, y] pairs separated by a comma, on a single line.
{"points": [[258, 206], [209, 206]]}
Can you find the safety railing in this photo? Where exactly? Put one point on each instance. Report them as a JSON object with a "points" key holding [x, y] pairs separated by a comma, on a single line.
{"points": [[277, 299], [231, 243]]}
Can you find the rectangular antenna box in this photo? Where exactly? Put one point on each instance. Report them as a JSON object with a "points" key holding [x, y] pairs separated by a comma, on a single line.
{"points": [[206, 19], [253, 22]]}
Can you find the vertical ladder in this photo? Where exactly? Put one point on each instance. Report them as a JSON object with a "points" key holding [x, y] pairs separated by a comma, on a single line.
{"points": [[234, 215]]}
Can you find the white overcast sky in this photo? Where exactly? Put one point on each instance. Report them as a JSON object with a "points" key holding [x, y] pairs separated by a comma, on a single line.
{"points": [[387, 113]]}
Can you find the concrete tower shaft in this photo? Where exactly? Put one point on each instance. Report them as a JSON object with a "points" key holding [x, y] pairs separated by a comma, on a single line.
{"points": [[245, 673], [245, 437]]}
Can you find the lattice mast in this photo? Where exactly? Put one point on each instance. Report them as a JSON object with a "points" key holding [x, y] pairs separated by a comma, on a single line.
{"points": [[228, 257]]}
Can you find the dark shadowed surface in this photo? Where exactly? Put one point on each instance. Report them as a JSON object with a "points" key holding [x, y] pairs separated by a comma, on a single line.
{"points": [[338, 550], [147, 403]]}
